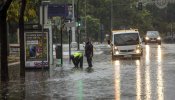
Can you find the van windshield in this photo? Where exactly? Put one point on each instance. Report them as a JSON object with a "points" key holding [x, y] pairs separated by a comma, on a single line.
{"points": [[126, 39]]}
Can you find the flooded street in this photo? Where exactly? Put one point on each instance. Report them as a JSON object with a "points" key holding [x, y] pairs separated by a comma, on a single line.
{"points": [[150, 78]]}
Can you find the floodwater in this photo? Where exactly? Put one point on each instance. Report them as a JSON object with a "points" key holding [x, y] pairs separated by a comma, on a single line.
{"points": [[150, 78]]}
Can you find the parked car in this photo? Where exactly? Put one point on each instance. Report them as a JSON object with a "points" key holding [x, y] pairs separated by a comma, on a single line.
{"points": [[152, 37]]}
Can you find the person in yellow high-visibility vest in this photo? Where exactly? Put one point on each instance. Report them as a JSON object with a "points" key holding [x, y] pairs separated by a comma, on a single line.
{"points": [[77, 58]]}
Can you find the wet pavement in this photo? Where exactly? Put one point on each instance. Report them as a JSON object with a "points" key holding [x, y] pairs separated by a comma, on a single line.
{"points": [[150, 78]]}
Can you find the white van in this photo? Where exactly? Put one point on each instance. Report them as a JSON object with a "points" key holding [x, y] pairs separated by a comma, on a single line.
{"points": [[126, 43]]}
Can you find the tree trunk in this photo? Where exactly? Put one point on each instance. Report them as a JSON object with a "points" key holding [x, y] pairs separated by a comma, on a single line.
{"points": [[4, 49], [21, 32], [3, 40]]}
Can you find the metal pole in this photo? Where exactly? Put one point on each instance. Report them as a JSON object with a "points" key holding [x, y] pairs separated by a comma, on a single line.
{"points": [[62, 41], [101, 33], [172, 30], [73, 20], [111, 15], [42, 35], [69, 45], [78, 25], [73, 12], [85, 20]]}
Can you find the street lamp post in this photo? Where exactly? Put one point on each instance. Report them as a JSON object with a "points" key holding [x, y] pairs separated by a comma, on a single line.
{"points": [[111, 15], [85, 21], [73, 20], [172, 30], [78, 25], [69, 44]]}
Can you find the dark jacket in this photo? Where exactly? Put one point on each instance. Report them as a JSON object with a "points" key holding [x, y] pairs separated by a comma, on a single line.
{"points": [[88, 49]]}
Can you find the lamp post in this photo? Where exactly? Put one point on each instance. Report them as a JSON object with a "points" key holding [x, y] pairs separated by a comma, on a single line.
{"points": [[85, 21], [111, 15], [43, 3], [78, 25], [73, 20]]}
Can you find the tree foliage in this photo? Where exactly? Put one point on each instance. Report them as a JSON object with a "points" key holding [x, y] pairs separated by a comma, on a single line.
{"points": [[30, 12], [124, 15], [93, 26]]}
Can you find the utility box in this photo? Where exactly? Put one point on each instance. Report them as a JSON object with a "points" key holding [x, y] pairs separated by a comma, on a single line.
{"points": [[58, 51]]}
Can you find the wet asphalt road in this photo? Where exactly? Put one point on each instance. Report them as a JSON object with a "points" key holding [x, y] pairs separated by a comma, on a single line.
{"points": [[150, 78]]}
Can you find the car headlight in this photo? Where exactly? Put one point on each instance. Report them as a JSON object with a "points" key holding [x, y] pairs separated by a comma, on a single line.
{"points": [[158, 38], [147, 38]]}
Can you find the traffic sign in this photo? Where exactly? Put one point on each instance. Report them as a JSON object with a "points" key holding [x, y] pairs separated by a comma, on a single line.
{"points": [[57, 10], [71, 24]]}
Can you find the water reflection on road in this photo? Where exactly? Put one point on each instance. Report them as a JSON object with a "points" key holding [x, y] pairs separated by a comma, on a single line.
{"points": [[128, 79], [117, 79], [148, 76], [138, 81], [147, 73], [160, 87]]}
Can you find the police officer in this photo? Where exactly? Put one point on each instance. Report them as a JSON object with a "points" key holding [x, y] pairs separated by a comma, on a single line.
{"points": [[77, 58]]}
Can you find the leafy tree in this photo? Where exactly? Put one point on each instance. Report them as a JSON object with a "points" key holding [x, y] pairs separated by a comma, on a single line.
{"points": [[13, 13], [7, 16], [30, 12], [93, 27]]}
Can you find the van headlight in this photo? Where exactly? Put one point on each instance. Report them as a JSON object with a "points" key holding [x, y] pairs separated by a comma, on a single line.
{"points": [[137, 50], [117, 52], [138, 47], [147, 38], [159, 38]]}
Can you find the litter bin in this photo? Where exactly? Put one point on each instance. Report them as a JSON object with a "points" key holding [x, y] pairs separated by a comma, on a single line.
{"points": [[58, 51]]}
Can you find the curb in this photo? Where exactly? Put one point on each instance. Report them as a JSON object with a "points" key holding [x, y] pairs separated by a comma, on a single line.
{"points": [[15, 63]]}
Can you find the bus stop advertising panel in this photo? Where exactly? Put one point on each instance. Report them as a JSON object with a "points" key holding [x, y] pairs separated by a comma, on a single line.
{"points": [[36, 49]]}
